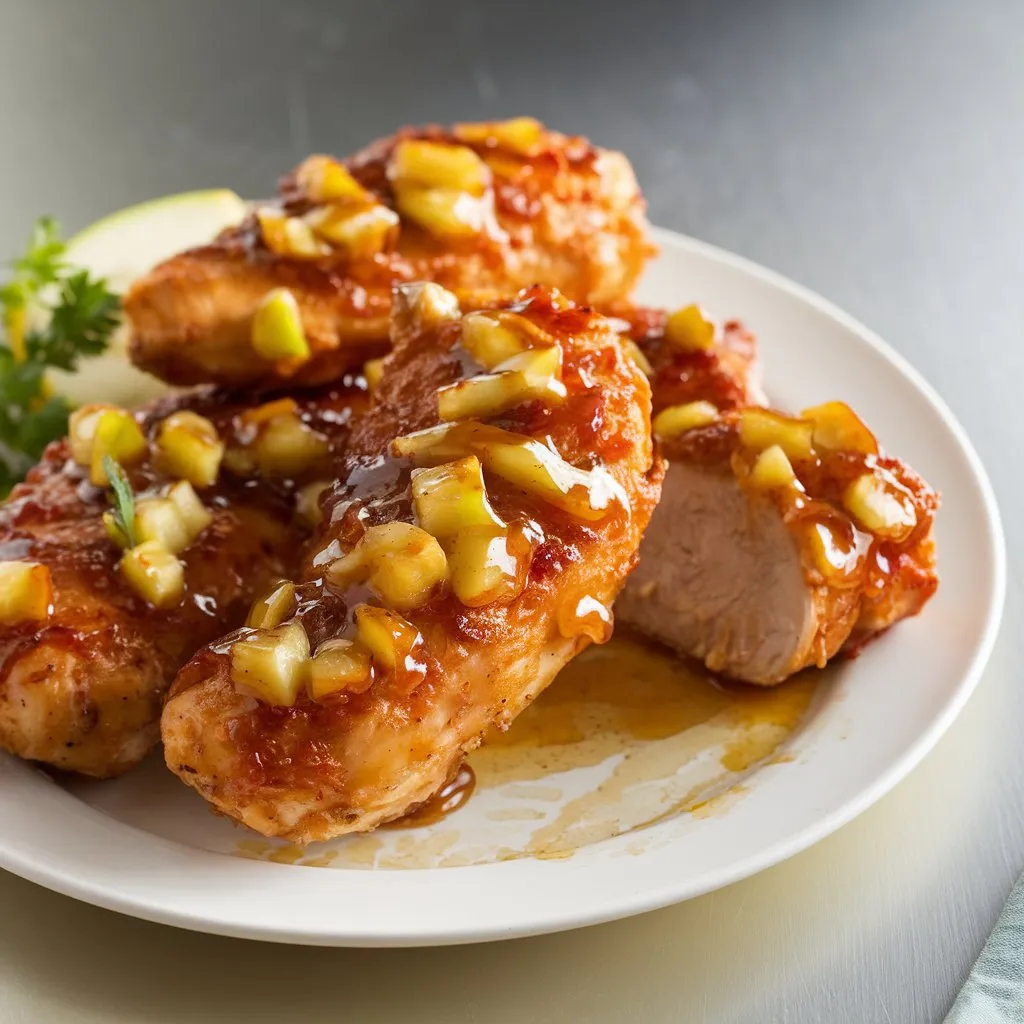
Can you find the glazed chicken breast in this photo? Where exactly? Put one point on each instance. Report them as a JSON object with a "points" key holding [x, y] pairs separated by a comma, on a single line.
{"points": [[779, 541], [493, 502], [91, 634], [301, 290]]}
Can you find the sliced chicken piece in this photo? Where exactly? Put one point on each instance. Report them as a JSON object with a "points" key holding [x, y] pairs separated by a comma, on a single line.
{"points": [[493, 207], [459, 569], [779, 541], [85, 658]]}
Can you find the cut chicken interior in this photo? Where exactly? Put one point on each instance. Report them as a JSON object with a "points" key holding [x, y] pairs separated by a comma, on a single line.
{"points": [[301, 290], [99, 611], [779, 540], [493, 503]]}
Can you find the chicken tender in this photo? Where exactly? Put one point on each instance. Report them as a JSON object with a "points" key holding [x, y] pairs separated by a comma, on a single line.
{"points": [[460, 566], [779, 541], [482, 206], [84, 672]]}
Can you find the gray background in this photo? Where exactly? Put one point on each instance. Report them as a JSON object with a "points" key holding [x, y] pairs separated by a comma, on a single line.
{"points": [[871, 150]]}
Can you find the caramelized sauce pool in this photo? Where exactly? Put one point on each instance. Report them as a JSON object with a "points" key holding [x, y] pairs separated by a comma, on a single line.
{"points": [[627, 692], [450, 797], [632, 688]]}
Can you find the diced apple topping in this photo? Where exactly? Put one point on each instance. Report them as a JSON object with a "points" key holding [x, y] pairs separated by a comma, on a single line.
{"points": [[26, 593], [441, 211], [530, 376], [522, 461], [113, 530], [391, 640], [287, 447], [340, 666], [307, 502], [438, 165], [118, 435], [82, 430], [274, 607], [439, 186], [173, 521], [881, 505], [677, 419], [373, 371], [536, 469], [362, 232], [402, 563], [325, 180], [276, 442], [482, 567], [425, 303], [838, 428], [451, 498], [636, 353], [451, 503], [762, 428], [159, 521], [188, 446], [434, 445], [155, 574], [196, 515], [289, 236], [277, 327], [690, 329], [495, 337], [520, 135], [272, 663], [772, 469]]}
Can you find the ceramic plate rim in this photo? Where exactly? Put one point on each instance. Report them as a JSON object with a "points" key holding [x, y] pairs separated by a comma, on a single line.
{"points": [[188, 908]]}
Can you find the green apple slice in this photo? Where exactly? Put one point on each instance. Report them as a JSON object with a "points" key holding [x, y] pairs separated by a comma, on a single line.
{"points": [[122, 247]]}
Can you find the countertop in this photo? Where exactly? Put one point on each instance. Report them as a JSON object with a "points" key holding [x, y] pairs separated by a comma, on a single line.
{"points": [[869, 149]]}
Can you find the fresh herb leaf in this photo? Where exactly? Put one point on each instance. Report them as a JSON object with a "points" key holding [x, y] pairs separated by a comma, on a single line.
{"points": [[41, 264], [80, 315], [122, 501]]}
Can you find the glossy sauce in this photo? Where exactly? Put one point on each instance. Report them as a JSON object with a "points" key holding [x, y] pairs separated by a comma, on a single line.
{"points": [[611, 700], [448, 799]]}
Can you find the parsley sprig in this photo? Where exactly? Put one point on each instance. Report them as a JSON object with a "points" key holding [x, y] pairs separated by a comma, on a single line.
{"points": [[78, 315]]}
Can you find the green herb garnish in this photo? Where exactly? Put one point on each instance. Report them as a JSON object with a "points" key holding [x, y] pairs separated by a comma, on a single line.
{"points": [[79, 314], [122, 501]]}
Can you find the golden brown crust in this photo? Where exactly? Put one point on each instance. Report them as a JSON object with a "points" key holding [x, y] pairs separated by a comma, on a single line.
{"points": [[83, 690], [349, 763], [569, 215]]}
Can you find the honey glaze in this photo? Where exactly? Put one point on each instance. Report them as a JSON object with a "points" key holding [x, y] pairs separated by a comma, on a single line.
{"points": [[449, 798], [632, 690]]}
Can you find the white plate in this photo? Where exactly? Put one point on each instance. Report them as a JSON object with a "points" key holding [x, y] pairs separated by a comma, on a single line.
{"points": [[145, 845]]}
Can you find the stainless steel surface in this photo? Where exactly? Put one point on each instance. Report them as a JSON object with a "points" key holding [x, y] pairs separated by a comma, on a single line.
{"points": [[871, 150]]}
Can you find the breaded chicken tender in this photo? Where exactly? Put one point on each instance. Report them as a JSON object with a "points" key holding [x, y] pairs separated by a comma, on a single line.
{"points": [[495, 207], [89, 645], [461, 564]]}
